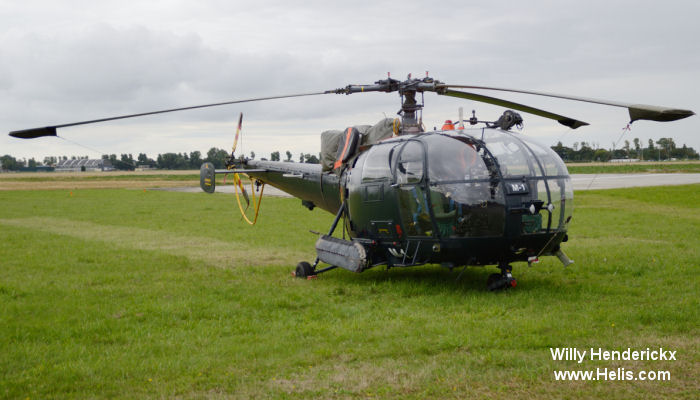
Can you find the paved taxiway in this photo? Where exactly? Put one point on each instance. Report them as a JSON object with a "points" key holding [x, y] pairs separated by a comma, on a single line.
{"points": [[612, 181]]}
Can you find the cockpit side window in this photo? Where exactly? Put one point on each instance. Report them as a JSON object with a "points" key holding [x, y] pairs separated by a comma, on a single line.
{"points": [[410, 164], [409, 171], [378, 164]]}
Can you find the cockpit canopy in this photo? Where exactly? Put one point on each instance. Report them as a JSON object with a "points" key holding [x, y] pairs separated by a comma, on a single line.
{"points": [[465, 178]]}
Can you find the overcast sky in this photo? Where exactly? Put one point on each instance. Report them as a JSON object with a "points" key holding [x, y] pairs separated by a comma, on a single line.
{"points": [[69, 60]]}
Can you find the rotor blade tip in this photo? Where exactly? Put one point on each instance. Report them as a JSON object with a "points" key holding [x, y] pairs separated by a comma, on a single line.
{"points": [[34, 132], [655, 113], [572, 123]]}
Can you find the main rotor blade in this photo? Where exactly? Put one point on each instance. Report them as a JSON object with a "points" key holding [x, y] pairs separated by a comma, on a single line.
{"points": [[570, 122], [51, 130], [636, 111]]}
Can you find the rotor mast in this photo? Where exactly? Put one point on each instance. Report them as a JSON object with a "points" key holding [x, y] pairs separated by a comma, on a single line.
{"points": [[411, 111]]}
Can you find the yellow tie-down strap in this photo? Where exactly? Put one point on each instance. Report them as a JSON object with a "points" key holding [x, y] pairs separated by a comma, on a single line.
{"points": [[257, 199]]}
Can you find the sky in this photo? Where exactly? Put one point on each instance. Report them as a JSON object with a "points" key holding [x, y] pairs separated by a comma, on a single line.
{"points": [[70, 60]]}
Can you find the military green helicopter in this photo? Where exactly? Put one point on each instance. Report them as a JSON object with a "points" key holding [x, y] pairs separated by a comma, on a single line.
{"points": [[407, 196]]}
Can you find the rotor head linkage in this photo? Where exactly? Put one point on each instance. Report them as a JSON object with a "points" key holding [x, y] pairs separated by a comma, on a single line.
{"points": [[389, 85], [410, 108]]}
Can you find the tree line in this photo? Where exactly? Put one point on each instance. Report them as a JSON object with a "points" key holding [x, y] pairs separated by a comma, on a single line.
{"points": [[662, 149], [178, 161]]}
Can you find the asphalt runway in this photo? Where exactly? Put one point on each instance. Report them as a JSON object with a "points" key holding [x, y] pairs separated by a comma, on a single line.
{"points": [[581, 182], [615, 181]]}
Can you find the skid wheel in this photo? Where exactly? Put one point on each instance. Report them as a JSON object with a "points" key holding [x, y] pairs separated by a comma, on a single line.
{"points": [[303, 270]]}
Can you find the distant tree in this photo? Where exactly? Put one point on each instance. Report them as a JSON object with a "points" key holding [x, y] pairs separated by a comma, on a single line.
{"points": [[618, 154], [566, 153], [182, 161], [686, 152], [217, 157], [252, 155], [601, 155], [311, 159], [50, 161], [9, 163], [168, 160], [585, 153], [289, 155], [144, 160], [31, 163], [301, 157], [667, 145], [122, 163], [195, 159], [275, 156], [127, 159]]}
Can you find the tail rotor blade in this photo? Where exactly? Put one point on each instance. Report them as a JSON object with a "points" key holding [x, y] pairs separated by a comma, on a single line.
{"points": [[238, 131]]}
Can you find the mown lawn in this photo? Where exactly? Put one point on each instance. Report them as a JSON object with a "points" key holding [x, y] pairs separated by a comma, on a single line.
{"points": [[132, 293]]}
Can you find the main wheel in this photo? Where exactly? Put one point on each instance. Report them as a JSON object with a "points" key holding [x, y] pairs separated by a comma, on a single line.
{"points": [[494, 281], [303, 270], [500, 282]]}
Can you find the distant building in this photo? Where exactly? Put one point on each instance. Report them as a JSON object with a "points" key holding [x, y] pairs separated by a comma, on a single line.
{"points": [[84, 165]]}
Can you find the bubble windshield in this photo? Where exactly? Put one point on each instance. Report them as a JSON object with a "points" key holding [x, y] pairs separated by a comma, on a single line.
{"points": [[467, 180]]}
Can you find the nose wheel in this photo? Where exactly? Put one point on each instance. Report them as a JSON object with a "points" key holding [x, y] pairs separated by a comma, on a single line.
{"points": [[501, 281]]}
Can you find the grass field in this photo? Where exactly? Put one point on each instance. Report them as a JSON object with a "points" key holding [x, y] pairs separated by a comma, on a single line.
{"points": [[132, 293]]}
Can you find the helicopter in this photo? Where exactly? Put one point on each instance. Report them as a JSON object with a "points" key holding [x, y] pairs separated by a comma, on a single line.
{"points": [[455, 197]]}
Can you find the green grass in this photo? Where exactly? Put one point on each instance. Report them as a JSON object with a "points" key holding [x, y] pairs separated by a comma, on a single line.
{"points": [[629, 168], [132, 294]]}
